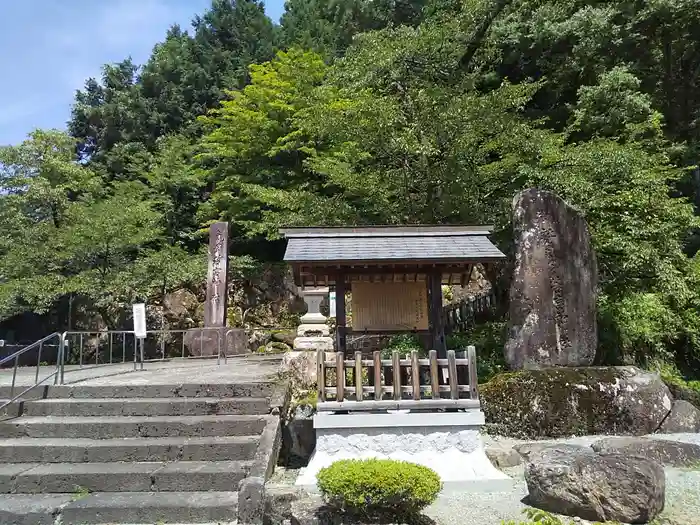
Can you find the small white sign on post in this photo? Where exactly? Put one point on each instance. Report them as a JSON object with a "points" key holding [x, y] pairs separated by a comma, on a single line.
{"points": [[140, 320], [331, 304]]}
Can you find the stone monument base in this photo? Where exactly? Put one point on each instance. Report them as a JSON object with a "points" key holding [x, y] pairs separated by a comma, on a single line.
{"points": [[203, 342], [448, 443], [313, 330], [313, 343]]}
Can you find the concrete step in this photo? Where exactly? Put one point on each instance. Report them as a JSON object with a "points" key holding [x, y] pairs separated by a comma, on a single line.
{"points": [[185, 406], [152, 507], [80, 391], [54, 450], [128, 427], [32, 509], [32, 478], [118, 507]]}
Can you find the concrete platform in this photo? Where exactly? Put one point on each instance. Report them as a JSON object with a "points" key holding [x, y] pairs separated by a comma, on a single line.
{"points": [[240, 369]]}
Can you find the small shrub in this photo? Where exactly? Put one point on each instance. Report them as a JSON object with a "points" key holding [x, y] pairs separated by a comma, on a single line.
{"points": [[405, 344], [376, 487]]}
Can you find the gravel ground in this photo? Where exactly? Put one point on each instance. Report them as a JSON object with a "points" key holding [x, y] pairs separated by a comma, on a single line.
{"points": [[491, 508]]}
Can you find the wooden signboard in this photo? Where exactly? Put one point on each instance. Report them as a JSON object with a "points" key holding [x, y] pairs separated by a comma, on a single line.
{"points": [[389, 306]]}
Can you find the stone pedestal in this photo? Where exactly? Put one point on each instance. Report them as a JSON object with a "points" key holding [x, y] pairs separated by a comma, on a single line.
{"points": [[209, 342], [313, 332], [448, 443]]}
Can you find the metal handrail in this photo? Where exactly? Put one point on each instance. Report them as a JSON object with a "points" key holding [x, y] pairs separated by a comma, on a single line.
{"points": [[40, 345], [69, 337]]}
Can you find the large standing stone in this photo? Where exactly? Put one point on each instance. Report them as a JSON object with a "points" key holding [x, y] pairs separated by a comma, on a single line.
{"points": [[553, 292], [578, 482], [559, 402]]}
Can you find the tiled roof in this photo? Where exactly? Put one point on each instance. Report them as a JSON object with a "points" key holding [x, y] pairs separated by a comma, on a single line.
{"points": [[435, 243]]}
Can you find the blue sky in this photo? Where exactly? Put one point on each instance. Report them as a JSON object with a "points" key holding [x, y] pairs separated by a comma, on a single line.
{"points": [[49, 47]]}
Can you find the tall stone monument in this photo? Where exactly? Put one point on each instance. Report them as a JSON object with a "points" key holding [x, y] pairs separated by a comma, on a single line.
{"points": [[217, 276], [210, 340], [554, 289]]}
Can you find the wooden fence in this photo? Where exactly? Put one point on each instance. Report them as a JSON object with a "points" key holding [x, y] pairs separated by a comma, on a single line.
{"points": [[464, 314], [397, 383]]}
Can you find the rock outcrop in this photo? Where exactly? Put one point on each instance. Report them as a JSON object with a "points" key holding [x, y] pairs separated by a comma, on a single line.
{"points": [[666, 452], [576, 481], [684, 417], [560, 402], [554, 288]]}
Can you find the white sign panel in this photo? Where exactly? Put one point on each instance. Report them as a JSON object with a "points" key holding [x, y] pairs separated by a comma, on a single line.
{"points": [[140, 320], [331, 304]]}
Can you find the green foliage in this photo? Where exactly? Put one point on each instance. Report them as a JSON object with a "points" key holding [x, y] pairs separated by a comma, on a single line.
{"points": [[375, 487], [391, 111], [405, 344], [489, 340]]}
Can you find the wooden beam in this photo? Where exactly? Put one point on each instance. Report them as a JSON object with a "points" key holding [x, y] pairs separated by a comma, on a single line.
{"points": [[340, 319]]}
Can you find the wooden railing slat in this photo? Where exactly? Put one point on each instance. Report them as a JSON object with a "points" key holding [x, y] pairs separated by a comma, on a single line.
{"points": [[321, 375], [358, 376], [434, 376], [452, 371], [340, 376], [415, 375], [473, 379], [377, 365], [396, 366]]}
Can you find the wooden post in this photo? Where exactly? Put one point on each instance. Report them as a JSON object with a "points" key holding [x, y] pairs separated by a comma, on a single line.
{"points": [[396, 365], [473, 378], [378, 392], [340, 320], [452, 369], [340, 377], [437, 327], [321, 375], [415, 375], [434, 375], [358, 376]]}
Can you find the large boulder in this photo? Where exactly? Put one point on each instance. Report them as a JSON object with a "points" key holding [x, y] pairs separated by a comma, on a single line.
{"points": [[684, 417], [560, 402], [666, 452], [554, 288], [578, 482]]}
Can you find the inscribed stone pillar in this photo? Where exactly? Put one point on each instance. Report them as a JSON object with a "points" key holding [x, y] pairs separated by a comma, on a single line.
{"points": [[217, 276], [554, 289], [210, 341]]}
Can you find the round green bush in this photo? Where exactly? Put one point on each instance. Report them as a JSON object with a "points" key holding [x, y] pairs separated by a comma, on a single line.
{"points": [[378, 486]]}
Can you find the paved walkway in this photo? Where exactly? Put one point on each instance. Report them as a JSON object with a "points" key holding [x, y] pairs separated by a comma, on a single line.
{"points": [[240, 369]]}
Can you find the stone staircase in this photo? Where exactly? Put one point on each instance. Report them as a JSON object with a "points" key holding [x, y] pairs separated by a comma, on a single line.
{"points": [[140, 454]]}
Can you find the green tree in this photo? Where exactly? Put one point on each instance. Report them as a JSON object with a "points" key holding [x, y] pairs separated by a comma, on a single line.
{"points": [[328, 26], [119, 120]]}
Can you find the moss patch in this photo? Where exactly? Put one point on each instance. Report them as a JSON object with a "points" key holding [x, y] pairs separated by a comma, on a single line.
{"points": [[681, 389], [559, 402]]}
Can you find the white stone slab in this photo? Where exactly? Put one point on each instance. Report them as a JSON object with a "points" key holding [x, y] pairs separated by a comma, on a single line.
{"points": [[320, 329], [313, 343], [454, 452]]}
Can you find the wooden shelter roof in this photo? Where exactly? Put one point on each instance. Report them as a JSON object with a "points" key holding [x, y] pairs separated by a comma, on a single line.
{"points": [[372, 245]]}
